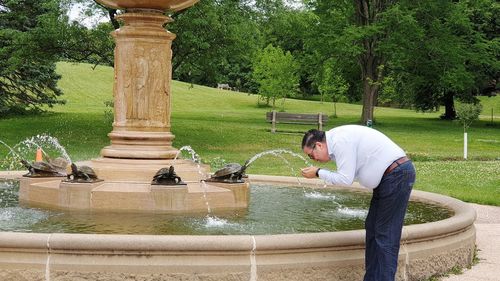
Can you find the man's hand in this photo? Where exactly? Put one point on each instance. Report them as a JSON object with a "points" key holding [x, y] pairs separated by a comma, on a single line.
{"points": [[309, 172]]}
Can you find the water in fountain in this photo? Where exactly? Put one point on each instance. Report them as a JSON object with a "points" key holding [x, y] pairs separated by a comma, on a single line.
{"points": [[316, 195], [272, 210]]}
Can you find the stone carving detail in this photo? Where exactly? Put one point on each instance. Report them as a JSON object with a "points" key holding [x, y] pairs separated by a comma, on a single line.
{"points": [[142, 76], [160, 103], [140, 73]]}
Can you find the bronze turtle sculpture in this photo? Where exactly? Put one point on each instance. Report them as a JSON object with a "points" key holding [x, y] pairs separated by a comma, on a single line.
{"points": [[167, 176], [230, 173], [82, 174], [40, 169], [60, 164]]}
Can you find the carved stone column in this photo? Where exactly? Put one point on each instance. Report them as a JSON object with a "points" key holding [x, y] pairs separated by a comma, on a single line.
{"points": [[143, 71]]}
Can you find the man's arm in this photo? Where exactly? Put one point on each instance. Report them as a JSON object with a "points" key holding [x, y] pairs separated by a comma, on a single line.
{"points": [[346, 159]]}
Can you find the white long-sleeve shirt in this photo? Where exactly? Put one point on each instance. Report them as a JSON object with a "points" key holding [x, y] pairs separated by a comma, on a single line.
{"points": [[360, 153]]}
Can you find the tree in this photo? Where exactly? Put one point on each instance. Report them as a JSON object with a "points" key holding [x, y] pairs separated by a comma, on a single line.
{"points": [[93, 9], [422, 54], [290, 29], [484, 20], [275, 72], [441, 71], [34, 35], [367, 16], [447, 57], [352, 33], [28, 79], [332, 85], [91, 43], [468, 113], [216, 42]]}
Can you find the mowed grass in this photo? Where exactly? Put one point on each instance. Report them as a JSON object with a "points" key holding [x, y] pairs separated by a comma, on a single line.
{"points": [[227, 125], [470, 181]]}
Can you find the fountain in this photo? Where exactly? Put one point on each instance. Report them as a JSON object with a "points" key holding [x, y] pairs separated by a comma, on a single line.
{"points": [[249, 254], [141, 145]]}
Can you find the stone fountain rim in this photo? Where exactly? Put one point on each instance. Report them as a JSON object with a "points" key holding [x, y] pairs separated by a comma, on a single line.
{"points": [[461, 221]]}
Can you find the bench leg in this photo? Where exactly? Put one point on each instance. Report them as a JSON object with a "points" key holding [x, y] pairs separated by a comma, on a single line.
{"points": [[273, 129], [320, 121]]}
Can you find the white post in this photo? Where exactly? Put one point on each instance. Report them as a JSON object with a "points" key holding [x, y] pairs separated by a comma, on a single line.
{"points": [[465, 146]]}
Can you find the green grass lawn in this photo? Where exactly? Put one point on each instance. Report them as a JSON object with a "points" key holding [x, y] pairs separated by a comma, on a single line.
{"points": [[227, 125]]}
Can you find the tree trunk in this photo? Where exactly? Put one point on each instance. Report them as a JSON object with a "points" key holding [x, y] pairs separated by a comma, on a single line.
{"points": [[371, 74], [369, 100], [449, 105], [370, 61], [112, 18]]}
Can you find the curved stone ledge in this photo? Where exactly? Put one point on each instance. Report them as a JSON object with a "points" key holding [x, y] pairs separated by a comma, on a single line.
{"points": [[426, 249]]}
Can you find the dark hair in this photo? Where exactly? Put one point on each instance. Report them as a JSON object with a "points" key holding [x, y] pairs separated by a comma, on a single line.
{"points": [[312, 136]]}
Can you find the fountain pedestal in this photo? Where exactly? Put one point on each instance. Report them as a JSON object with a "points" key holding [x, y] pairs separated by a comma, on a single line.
{"points": [[141, 141], [142, 104]]}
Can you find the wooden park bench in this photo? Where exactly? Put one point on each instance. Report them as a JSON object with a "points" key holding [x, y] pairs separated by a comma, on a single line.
{"points": [[223, 86], [274, 117]]}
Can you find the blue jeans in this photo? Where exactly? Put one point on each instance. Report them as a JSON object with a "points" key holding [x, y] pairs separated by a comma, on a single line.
{"points": [[385, 222]]}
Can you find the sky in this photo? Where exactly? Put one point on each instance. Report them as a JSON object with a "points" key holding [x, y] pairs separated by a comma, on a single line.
{"points": [[75, 13]]}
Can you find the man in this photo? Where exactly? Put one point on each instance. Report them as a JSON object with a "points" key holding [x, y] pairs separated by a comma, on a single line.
{"points": [[377, 163]]}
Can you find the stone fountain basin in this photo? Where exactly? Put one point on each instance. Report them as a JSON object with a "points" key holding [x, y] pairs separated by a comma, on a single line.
{"points": [[426, 249], [172, 5]]}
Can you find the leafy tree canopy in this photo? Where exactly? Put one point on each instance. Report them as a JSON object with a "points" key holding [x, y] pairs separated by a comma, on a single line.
{"points": [[422, 54], [275, 72], [332, 85], [468, 113], [27, 55], [216, 42], [34, 35]]}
